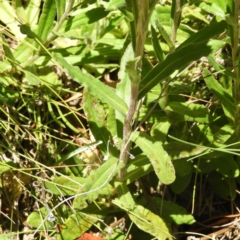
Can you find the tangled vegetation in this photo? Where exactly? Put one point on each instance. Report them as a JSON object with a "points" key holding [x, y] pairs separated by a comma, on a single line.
{"points": [[119, 119]]}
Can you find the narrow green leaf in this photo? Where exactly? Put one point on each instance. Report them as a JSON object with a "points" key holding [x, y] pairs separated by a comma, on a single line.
{"points": [[95, 87], [60, 5], [25, 29], [77, 151], [165, 35], [205, 34], [227, 101], [156, 46], [159, 158], [226, 166], [224, 187], [179, 150], [46, 21], [175, 61], [7, 51]]}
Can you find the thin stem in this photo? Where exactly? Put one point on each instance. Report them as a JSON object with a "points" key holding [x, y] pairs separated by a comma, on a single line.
{"points": [[52, 35], [141, 17], [235, 61]]}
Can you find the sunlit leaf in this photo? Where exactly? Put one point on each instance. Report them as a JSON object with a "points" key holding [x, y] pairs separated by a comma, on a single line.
{"points": [[159, 158]]}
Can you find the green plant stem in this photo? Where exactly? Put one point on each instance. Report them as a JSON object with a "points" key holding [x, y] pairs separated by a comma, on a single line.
{"points": [[235, 61], [142, 16], [176, 19]]}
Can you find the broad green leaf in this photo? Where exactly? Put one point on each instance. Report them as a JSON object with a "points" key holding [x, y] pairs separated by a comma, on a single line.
{"points": [[24, 50], [214, 9], [95, 87], [31, 78], [9, 18], [96, 181], [76, 225], [170, 211], [86, 17], [227, 101], [46, 21], [149, 222], [224, 187], [35, 219], [96, 119], [139, 167], [226, 166], [176, 213], [181, 183], [222, 135], [160, 129], [193, 110], [7, 94], [115, 4], [175, 61], [113, 24], [159, 158], [6, 166], [182, 167], [65, 186], [142, 217]]}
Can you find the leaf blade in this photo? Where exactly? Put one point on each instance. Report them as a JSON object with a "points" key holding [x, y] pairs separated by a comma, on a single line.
{"points": [[95, 87], [163, 167]]}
